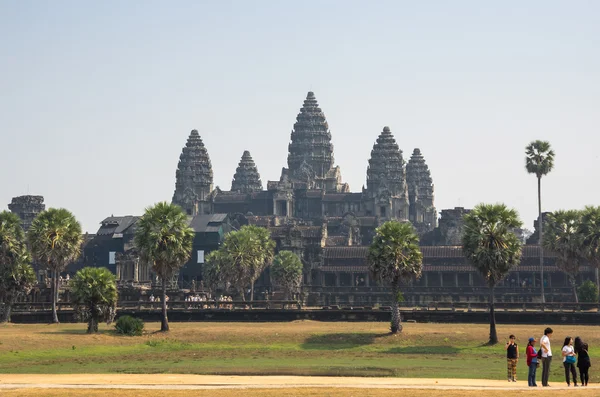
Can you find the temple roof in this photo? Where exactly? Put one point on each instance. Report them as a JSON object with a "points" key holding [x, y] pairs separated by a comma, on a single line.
{"points": [[194, 170], [386, 165], [418, 177], [246, 178], [310, 151]]}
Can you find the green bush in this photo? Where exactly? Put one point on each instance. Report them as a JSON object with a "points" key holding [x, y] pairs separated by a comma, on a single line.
{"points": [[588, 292], [130, 326]]}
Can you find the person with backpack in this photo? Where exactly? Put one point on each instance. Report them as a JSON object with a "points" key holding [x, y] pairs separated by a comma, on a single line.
{"points": [[569, 359], [583, 360], [532, 362]]}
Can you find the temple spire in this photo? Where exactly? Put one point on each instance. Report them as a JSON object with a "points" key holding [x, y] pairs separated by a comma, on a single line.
{"points": [[386, 165], [420, 193], [246, 178], [310, 149], [194, 177]]}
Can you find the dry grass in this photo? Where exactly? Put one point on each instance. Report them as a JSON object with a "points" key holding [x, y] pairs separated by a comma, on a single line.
{"points": [[294, 392]]}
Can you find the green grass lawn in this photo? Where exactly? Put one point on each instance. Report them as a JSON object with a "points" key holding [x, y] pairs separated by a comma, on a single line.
{"points": [[298, 348]]}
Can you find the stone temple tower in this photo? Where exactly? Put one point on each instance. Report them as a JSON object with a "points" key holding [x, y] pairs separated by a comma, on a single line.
{"points": [[194, 177], [310, 152], [386, 181], [27, 208], [422, 212], [246, 178]]}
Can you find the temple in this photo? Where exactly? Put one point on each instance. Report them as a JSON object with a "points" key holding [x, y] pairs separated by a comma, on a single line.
{"points": [[312, 212]]}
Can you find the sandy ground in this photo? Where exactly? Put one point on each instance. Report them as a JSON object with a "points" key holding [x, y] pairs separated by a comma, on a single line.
{"points": [[199, 382]]}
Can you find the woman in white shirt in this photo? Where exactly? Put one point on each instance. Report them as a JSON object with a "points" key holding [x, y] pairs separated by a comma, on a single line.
{"points": [[569, 359]]}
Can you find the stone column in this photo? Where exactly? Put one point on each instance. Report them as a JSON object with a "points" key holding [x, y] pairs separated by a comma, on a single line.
{"points": [[470, 279], [119, 271], [441, 275], [456, 279], [136, 270], [337, 279], [367, 284]]}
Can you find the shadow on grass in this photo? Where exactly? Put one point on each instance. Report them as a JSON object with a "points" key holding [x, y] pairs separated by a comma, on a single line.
{"points": [[424, 350], [339, 341], [82, 331]]}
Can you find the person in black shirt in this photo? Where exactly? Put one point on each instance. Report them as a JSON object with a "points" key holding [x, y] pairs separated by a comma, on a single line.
{"points": [[512, 358], [583, 360]]}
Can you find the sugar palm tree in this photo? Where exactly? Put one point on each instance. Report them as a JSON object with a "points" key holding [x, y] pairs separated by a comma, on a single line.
{"points": [[94, 294], [55, 240], [539, 160], [492, 247], [16, 274], [589, 231], [164, 239], [244, 254], [395, 256], [562, 237]]}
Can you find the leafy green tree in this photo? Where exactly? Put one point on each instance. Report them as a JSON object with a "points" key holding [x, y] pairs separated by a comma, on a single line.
{"points": [[94, 294], [589, 231], [164, 239], [492, 247], [244, 254], [16, 274], [539, 160], [395, 256], [212, 274], [563, 239], [55, 240], [588, 292], [286, 271]]}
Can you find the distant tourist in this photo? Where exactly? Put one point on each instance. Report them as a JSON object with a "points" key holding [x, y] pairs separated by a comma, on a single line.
{"points": [[583, 360], [532, 362], [569, 359], [152, 298], [546, 355], [512, 357]]}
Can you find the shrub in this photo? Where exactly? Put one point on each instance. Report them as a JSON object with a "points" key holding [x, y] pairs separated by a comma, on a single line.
{"points": [[588, 292], [130, 326]]}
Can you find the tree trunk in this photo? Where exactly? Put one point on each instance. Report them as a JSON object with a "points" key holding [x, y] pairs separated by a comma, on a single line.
{"points": [[493, 334], [54, 293], [540, 236], [574, 285], [252, 292], [598, 283], [7, 310], [164, 325], [395, 326]]}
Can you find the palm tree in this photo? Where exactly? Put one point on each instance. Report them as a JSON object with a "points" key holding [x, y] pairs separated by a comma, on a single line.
{"points": [[164, 239], [244, 255], [16, 274], [212, 272], [395, 256], [492, 247], [55, 240], [287, 272], [563, 239], [539, 160], [589, 230], [94, 294]]}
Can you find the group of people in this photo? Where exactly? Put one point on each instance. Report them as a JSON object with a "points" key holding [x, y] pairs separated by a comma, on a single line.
{"points": [[574, 353]]}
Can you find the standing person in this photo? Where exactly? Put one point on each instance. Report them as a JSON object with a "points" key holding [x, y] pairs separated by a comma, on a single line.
{"points": [[532, 362], [568, 354], [512, 358], [546, 356], [583, 360]]}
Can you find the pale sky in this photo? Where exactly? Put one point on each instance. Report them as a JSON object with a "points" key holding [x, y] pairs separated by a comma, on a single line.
{"points": [[97, 99]]}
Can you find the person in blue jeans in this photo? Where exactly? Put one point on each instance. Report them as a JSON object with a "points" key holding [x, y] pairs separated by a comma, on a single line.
{"points": [[532, 362]]}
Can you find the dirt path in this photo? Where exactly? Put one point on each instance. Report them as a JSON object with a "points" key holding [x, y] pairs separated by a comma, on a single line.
{"points": [[198, 382]]}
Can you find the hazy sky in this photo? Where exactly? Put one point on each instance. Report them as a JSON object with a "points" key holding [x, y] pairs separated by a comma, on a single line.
{"points": [[97, 99]]}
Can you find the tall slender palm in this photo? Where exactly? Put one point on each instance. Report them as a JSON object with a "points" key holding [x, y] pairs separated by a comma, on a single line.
{"points": [[164, 239], [395, 256], [562, 237], [55, 240], [539, 160], [492, 247], [16, 274], [286, 271], [94, 294], [589, 230]]}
